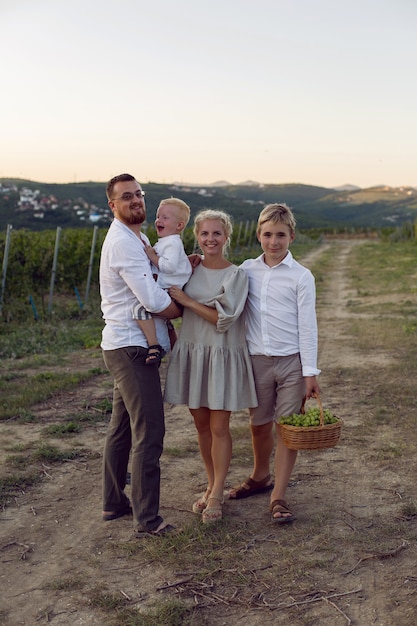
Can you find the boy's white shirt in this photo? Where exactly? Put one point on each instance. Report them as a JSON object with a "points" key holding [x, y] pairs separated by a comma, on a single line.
{"points": [[280, 311], [174, 268]]}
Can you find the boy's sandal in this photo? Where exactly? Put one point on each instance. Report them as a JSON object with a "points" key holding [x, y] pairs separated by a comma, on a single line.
{"points": [[280, 506], [214, 513], [155, 354], [200, 504], [251, 487]]}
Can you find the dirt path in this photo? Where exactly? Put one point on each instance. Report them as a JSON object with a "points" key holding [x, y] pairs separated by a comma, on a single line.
{"points": [[53, 536]]}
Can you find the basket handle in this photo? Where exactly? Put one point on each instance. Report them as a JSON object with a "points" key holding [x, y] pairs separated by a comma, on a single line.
{"points": [[316, 397]]}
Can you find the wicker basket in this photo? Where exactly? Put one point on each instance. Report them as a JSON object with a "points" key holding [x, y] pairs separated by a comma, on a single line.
{"points": [[312, 437]]}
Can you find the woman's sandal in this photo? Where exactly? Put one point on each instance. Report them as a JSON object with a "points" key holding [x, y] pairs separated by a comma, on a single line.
{"points": [[214, 513], [200, 504], [155, 354], [280, 506]]}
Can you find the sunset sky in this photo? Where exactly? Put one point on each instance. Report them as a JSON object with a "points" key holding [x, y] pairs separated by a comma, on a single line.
{"points": [[297, 91]]}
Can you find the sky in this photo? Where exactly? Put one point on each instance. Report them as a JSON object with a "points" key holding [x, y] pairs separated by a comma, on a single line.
{"points": [[316, 92]]}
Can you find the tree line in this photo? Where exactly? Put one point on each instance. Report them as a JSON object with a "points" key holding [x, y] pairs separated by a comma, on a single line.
{"points": [[33, 261]]}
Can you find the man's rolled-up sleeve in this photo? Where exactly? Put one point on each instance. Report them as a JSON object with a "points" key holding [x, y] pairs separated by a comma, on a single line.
{"points": [[135, 270]]}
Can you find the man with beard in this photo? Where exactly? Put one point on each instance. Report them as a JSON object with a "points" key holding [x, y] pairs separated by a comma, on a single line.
{"points": [[137, 420]]}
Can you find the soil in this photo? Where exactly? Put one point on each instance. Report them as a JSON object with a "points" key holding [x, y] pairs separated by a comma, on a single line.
{"points": [[54, 532]]}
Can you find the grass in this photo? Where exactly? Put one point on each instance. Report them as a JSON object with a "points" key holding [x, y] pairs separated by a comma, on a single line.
{"points": [[28, 461], [30, 347], [182, 452], [226, 562], [218, 543], [171, 612], [62, 430], [17, 461], [26, 390], [73, 424], [50, 337], [386, 272], [46, 453], [104, 406], [244, 561], [409, 510], [24, 459], [378, 270], [118, 612], [211, 560], [106, 601], [72, 583], [16, 484], [40, 452]]}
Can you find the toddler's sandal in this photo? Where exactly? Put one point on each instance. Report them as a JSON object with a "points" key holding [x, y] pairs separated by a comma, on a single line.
{"points": [[155, 354]]}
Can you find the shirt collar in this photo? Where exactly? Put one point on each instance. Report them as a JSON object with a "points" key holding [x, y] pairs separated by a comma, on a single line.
{"points": [[287, 260], [119, 224]]}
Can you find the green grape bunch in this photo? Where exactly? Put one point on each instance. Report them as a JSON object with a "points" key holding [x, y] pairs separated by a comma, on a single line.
{"points": [[310, 418]]}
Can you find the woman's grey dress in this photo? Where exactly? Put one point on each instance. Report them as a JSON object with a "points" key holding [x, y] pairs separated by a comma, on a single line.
{"points": [[210, 365]]}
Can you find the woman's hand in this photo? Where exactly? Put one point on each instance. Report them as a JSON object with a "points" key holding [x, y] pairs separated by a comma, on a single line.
{"points": [[195, 260], [206, 312], [178, 295]]}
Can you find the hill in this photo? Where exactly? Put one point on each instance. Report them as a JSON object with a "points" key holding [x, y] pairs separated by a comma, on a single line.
{"points": [[38, 206]]}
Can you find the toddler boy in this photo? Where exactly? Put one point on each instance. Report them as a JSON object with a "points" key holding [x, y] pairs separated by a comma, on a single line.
{"points": [[170, 264]]}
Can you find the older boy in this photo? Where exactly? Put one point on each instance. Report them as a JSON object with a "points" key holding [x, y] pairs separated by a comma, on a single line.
{"points": [[282, 338]]}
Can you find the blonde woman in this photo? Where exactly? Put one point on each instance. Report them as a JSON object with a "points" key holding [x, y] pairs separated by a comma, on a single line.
{"points": [[210, 369]]}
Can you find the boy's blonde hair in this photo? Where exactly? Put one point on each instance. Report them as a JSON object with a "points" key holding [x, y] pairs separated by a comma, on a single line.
{"points": [[222, 217], [277, 213], [182, 207]]}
